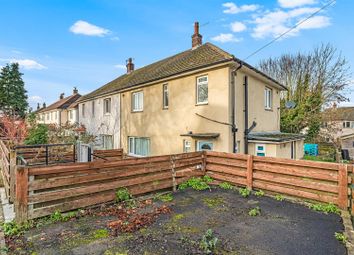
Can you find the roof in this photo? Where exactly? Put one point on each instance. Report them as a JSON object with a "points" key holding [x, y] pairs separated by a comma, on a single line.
{"points": [[61, 104], [345, 113], [193, 59], [275, 136]]}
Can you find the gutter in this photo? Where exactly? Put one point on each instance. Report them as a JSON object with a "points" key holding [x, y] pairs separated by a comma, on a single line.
{"points": [[233, 107]]}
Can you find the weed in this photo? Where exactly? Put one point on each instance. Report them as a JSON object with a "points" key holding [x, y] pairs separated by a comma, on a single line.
{"points": [[213, 201], [196, 183], [165, 198], [208, 242], [326, 208], [13, 229], [56, 216], [279, 197], [259, 193], [340, 237], [254, 212], [123, 195], [244, 192], [100, 233], [226, 185]]}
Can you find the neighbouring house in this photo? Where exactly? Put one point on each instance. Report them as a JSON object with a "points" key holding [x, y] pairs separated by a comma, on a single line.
{"points": [[203, 98], [64, 111]]}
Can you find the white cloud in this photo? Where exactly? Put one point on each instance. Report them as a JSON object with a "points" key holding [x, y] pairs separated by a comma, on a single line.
{"points": [[315, 22], [85, 28], [237, 27], [35, 99], [295, 3], [223, 38], [120, 66], [25, 63], [232, 8]]}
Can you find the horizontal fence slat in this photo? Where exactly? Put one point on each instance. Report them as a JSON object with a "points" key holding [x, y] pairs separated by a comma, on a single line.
{"points": [[226, 170]]}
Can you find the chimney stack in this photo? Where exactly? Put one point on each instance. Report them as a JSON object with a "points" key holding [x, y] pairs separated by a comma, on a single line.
{"points": [[44, 105], [130, 65], [75, 91], [196, 37], [38, 106], [61, 96]]}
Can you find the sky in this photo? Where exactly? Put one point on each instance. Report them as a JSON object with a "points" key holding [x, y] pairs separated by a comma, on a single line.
{"points": [[61, 44]]}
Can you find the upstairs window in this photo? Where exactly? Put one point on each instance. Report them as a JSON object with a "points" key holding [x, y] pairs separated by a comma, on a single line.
{"points": [[137, 101], [165, 96], [202, 90], [268, 98], [107, 105]]}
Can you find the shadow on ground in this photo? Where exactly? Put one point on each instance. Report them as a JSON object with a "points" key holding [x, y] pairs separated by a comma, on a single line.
{"points": [[282, 227]]}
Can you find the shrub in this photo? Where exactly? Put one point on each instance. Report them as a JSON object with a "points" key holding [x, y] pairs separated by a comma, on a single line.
{"points": [[259, 193], [196, 183], [123, 195], [226, 185], [340, 237], [37, 135], [245, 192], [254, 212], [326, 208], [208, 242]]}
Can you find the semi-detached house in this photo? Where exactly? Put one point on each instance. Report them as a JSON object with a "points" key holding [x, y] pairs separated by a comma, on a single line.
{"points": [[203, 98]]}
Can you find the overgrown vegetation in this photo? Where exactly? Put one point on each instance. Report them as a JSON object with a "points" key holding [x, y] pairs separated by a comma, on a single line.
{"points": [[226, 186], [319, 158], [341, 237], [208, 242], [37, 134], [259, 193], [245, 192], [255, 211], [279, 197], [326, 208], [122, 195], [197, 183]]}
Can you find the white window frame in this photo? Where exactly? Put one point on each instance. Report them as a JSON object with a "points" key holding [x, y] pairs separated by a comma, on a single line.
{"points": [[268, 98], [131, 150], [198, 85], [165, 96], [71, 114], [187, 146], [257, 150], [107, 109], [200, 142], [139, 105]]}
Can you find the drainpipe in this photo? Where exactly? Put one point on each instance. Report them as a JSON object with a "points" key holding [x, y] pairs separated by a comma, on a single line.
{"points": [[246, 114], [233, 107]]}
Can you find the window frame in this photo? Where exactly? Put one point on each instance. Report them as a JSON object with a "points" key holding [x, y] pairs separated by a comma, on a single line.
{"points": [[165, 95], [132, 151], [268, 98], [198, 84], [260, 151], [133, 96], [199, 142], [105, 112], [185, 146]]}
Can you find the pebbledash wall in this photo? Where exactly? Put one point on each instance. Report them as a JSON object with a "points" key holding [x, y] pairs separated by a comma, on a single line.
{"points": [[99, 123]]}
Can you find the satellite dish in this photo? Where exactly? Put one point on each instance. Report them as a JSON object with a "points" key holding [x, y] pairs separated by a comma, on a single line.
{"points": [[290, 105]]}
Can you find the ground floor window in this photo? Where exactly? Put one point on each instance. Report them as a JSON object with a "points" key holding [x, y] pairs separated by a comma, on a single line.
{"points": [[107, 141], [139, 146], [204, 146], [260, 150], [187, 145]]}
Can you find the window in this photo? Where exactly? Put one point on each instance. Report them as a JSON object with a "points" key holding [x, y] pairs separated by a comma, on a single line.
{"points": [[202, 90], [55, 115], [346, 124], [71, 114], [83, 110], [93, 108], [204, 146], [187, 146], [137, 101], [107, 106], [107, 142], [260, 150], [139, 146], [165, 96], [47, 116], [268, 98]]}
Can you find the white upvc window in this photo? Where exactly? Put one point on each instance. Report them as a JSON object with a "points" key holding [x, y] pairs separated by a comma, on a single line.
{"points": [[71, 114], [268, 98], [202, 90], [139, 146], [165, 96], [204, 146], [260, 150], [137, 101], [187, 146], [107, 142], [107, 106]]}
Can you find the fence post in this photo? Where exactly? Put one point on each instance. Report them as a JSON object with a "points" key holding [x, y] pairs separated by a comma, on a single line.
{"points": [[343, 186], [12, 173], [173, 170], [21, 201], [249, 171]]}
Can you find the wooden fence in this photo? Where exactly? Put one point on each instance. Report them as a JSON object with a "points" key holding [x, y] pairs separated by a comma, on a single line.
{"points": [[320, 181], [108, 155], [8, 166], [42, 190]]}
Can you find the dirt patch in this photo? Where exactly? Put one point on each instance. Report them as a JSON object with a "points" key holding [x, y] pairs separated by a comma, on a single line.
{"points": [[177, 227]]}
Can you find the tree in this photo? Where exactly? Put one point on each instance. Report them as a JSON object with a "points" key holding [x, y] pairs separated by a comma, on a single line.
{"points": [[13, 128], [13, 95], [314, 80]]}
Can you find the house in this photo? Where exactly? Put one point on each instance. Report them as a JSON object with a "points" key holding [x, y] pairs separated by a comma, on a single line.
{"points": [[61, 112], [203, 98]]}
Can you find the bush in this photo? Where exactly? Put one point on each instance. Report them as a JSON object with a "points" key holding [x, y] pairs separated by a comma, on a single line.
{"points": [[37, 135]]}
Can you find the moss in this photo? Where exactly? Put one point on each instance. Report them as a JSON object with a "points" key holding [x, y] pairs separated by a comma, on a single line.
{"points": [[175, 225], [213, 202], [178, 217], [100, 233]]}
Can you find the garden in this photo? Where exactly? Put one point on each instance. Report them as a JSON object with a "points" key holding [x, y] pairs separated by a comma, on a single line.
{"points": [[202, 217]]}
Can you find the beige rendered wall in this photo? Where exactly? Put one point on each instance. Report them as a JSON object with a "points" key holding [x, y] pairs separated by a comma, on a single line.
{"points": [[164, 127], [279, 150]]}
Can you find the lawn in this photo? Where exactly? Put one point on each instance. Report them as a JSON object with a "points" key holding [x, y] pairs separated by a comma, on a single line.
{"points": [[217, 221]]}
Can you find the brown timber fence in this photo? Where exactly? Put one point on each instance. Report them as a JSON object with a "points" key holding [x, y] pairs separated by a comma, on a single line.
{"points": [[108, 155]]}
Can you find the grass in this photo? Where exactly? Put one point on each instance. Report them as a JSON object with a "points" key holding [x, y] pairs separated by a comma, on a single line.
{"points": [[165, 198], [325, 208], [341, 237], [319, 158]]}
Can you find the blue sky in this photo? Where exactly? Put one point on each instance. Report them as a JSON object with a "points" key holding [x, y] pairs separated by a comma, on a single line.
{"points": [[62, 44]]}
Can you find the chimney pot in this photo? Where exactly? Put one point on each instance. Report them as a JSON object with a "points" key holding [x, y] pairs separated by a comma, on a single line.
{"points": [[196, 37], [130, 65], [44, 105], [75, 91], [38, 106], [61, 96]]}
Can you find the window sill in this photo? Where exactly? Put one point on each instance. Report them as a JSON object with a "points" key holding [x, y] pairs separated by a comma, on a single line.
{"points": [[198, 104], [268, 109], [137, 111], [164, 108]]}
